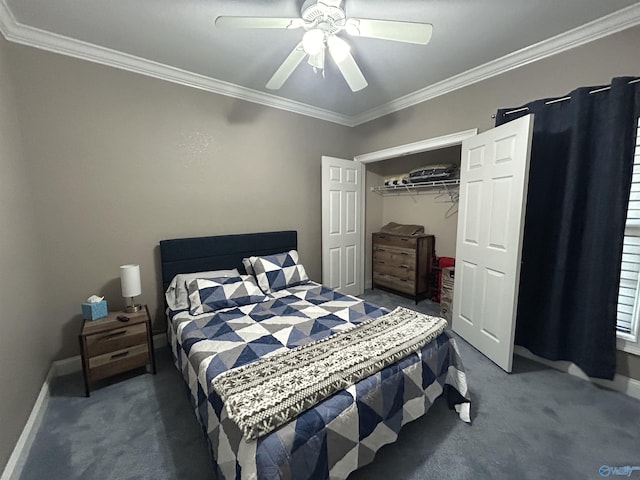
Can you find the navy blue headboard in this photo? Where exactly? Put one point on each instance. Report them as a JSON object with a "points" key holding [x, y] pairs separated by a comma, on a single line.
{"points": [[199, 254]]}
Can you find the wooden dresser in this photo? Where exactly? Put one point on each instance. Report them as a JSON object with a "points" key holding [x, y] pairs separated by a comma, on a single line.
{"points": [[403, 263]]}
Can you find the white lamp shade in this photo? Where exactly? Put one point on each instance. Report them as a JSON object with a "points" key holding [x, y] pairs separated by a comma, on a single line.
{"points": [[130, 280], [313, 41]]}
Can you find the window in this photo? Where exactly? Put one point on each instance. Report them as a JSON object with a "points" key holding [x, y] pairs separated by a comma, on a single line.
{"points": [[629, 292]]}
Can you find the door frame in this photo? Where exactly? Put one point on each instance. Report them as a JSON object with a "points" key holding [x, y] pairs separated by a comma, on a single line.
{"points": [[426, 145], [420, 146]]}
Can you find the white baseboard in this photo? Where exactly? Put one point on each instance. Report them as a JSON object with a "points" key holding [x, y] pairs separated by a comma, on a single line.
{"points": [[59, 368], [14, 466], [628, 386]]}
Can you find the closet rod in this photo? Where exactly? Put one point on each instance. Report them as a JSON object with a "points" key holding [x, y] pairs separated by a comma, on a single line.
{"points": [[562, 99]]}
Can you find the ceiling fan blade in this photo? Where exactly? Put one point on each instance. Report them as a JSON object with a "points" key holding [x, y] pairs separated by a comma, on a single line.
{"points": [[339, 51], [258, 22], [286, 69], [409, 32]]}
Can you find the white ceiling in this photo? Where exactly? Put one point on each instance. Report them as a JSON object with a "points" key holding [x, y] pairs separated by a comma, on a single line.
{"points": [[177, 40]]}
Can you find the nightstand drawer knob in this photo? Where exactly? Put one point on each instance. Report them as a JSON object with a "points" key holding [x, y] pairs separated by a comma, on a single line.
{"points": [[121, 354]]}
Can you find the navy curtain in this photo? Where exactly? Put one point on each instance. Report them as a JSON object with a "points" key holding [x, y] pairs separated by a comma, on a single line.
{"points": [[579, 183]]}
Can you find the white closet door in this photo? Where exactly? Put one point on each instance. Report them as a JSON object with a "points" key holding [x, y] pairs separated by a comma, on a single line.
{"points": [[342, 237], [494, 174]]}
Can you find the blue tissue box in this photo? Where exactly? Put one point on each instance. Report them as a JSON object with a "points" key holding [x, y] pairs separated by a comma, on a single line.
{"points": [[94, 311]]}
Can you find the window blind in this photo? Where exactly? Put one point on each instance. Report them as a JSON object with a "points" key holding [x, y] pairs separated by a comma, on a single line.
{"points": [[628, 291]]}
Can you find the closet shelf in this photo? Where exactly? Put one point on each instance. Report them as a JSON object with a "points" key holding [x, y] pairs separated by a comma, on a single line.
{"points": [[416, 188]]}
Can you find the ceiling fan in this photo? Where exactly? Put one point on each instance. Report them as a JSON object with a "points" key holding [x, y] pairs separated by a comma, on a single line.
{"points": [[323, 20]]}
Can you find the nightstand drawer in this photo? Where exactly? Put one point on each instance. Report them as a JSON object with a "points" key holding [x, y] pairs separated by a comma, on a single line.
{"points": [[109, 364], [118, 339]]}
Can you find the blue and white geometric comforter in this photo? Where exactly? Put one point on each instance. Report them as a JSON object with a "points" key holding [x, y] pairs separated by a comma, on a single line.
{"points": [[340, 434]]}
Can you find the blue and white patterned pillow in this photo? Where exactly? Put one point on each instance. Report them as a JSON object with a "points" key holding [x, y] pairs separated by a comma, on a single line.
{"points": [[177, 294], [211, 294], [275, 272]]}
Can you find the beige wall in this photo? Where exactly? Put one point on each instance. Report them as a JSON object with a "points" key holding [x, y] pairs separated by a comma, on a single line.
{"points": [[25, 350], [120, 161], [471, 107]]}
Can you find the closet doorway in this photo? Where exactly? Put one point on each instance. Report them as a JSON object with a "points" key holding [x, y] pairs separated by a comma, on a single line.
{"points": [[403, 205]]}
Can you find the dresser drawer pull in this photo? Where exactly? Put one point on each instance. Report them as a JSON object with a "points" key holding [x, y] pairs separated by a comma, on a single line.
{"points": [[121, 354], [113, 335]]}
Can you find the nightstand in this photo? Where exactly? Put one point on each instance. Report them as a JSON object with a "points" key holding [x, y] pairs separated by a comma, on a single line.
{"points": [[109, 347]]}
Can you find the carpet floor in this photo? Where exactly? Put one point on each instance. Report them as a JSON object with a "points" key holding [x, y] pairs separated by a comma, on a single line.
{"points": [[535, 423]]}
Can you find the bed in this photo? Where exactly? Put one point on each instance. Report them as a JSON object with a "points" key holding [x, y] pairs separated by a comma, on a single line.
{"points": [[343, 431]]}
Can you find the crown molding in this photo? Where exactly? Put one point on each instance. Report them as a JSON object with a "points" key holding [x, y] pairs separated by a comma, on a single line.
{"points": [[30, 36], [608, 25], [6, 18], [52, 42]]}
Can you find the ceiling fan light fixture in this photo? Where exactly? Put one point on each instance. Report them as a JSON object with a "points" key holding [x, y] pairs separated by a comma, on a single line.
{"points": [[313, 41]]}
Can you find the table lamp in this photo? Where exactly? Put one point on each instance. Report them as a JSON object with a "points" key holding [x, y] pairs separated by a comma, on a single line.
{"points": [[130, 280]]}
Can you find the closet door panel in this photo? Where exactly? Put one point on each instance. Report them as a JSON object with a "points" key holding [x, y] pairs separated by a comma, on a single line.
{"points": [[493, 191]]}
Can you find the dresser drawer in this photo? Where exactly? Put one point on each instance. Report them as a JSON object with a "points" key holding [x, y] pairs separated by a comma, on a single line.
{"points": [[113, 340], [394, 240], [406, 272], [398, 256], [390, 281], [109, 364]]}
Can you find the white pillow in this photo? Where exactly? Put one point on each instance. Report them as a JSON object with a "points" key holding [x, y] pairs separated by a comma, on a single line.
{"points": [[177, 295]]}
